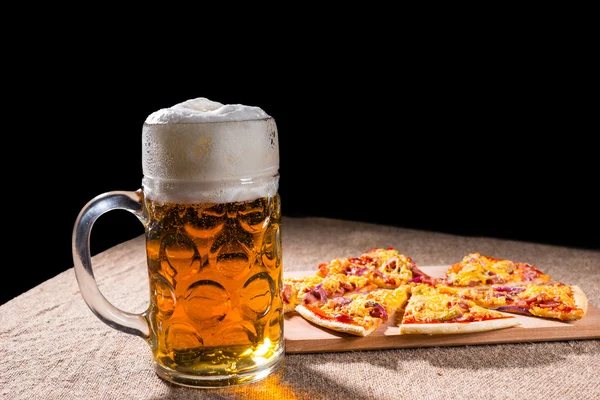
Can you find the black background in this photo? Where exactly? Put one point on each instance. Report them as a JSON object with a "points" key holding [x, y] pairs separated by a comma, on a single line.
{"points": [[476, 134]]}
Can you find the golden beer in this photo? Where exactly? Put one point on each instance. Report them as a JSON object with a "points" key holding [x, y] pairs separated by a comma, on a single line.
{"points": [[215, 277]]}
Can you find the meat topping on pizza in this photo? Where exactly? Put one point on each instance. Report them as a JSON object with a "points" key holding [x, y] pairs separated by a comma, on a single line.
{"points": [[318, 289], [555, 300], [386, 268], [365, 309], [429, 305], [479, 270]]}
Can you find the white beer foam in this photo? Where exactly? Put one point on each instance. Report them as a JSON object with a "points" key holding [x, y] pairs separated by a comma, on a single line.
{"points": [[209, 192], [232, 149], [202, 109]]}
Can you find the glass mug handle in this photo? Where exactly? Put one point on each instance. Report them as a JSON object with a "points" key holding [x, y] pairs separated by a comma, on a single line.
{"points": [[135, 324]]}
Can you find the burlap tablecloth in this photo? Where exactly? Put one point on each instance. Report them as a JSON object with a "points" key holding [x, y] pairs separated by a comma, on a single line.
{"points": [[53, 347]]}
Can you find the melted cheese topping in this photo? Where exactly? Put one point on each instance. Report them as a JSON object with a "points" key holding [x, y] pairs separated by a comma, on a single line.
{"points": [[386, 268], [339, 283], [482, 297], [551, 301], [359, 306], [302, 283], [429, 305], [476, 269], [396, 271], [548, 301], [295, 288], [391, 299], [556, 292]]}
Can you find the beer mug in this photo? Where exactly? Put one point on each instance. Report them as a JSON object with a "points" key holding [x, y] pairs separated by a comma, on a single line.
{"points": [[210, 207]]}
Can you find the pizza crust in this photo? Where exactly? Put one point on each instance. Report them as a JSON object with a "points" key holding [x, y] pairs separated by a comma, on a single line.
{"points": [[333, 325], [288, 307], [580, 298], [458, 327]]}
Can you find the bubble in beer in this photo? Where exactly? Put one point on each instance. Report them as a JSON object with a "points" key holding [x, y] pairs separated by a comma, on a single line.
{"points": [[200, 140]]}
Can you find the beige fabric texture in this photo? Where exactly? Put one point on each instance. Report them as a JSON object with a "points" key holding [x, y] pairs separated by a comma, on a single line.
{"points": [[53, 347]]}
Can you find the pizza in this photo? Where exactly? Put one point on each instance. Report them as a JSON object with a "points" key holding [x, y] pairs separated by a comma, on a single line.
{"points": [[430, 311], [480, 270], [295, 288], [358, 313], [556, 300], [356, 295], [386, 268], [311, 289]]}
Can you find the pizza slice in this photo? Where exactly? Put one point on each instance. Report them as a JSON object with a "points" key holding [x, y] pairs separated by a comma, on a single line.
{"points": [[311, 289], [556, 300], [386, 268], [294, 289], [430, 311], [358, 313], [480, 270]]}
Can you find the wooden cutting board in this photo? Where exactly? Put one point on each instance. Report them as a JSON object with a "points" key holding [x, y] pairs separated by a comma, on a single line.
{"points": [[302, 336]]}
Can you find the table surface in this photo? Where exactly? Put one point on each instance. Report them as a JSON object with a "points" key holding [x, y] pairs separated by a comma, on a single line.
{"points": [[53, 347]]}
